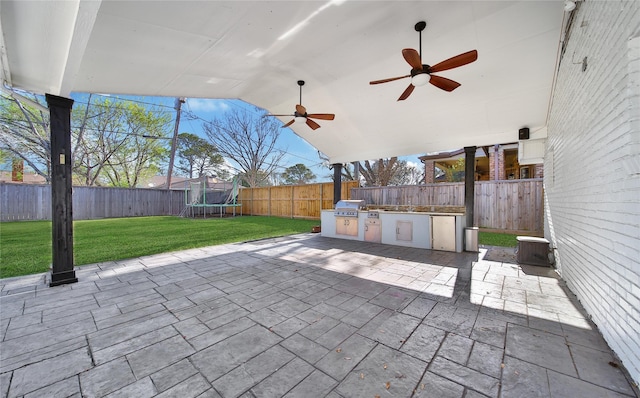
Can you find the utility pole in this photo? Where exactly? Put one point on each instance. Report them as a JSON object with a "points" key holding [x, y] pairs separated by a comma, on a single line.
{"points": [[174, 141]]}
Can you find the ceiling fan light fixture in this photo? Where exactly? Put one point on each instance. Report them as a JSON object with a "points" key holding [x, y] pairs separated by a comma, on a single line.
{"points": [[300, 119], [420, 79]]}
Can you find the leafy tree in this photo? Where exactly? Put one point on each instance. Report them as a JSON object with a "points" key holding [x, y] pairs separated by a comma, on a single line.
{"points": [[249, 139], [24, 134], [197, 156], [108, 138], [138, 157], [298, 174], [101, 133], [455, 171]]}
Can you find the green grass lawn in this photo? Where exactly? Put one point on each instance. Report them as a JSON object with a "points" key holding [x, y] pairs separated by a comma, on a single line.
{"points": [[497, 239], [25, 247]]}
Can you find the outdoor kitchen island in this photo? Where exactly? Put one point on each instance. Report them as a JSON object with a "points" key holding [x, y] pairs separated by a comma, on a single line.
{"points": [[421, 229]]}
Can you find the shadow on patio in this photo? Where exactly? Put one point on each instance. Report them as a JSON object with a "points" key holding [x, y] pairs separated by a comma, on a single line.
{"points": [[303, 316]]}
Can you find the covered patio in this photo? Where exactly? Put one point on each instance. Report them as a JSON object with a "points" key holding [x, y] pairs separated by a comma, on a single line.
{"points": [[309, 316], [304, 316]]}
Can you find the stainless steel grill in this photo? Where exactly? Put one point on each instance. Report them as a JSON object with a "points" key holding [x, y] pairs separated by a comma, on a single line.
{"points": [[348, 208]]}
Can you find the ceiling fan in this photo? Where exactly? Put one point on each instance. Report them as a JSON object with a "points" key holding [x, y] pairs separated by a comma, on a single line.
{"points": [[421, 73], [300, 114]]}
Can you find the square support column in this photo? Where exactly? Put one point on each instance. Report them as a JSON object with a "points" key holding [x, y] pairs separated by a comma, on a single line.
{"points": [[62, 271], [469, 182], [337, 182]]}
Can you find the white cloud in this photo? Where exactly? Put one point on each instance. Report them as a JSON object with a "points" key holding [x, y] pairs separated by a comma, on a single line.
{"points": [[207, 105]]}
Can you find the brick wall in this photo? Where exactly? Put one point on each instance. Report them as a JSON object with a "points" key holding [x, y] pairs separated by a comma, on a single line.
{"points": [[592, 171], [429, 171]]}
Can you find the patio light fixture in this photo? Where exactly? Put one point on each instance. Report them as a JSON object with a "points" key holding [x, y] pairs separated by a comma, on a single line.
{"points": [[569, 5]]}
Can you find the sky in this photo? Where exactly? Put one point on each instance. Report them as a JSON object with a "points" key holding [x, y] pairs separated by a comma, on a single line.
{"points": [[195, 111]]}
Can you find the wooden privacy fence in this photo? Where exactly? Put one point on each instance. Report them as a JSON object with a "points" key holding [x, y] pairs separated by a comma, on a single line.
{"points": [[33, 202], [294, 201], [514, 205]]}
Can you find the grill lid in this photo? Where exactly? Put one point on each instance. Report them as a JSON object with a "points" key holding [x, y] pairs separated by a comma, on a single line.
{"points": [[350, 204], [348, 208]]}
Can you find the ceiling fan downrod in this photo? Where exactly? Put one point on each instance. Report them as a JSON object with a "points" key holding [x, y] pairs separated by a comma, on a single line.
{"points": [[419, 28], [300, 83]]}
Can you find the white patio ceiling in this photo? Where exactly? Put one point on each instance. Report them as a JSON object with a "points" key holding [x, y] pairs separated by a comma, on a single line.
{"points": [[257, 50]]}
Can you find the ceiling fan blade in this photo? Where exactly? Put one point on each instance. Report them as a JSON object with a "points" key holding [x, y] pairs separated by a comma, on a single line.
{"points": [[312, 124], [279, 115], [454, 62], [388, 80], [301, 109], [412, 57], [288, 124], [444, 83], [407, 92], [323, 116]]}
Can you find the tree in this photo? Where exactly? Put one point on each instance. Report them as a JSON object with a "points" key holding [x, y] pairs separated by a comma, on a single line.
{"points": [[101, 133], [263, 179], [118, 143], [24, 134], [140, 153], [455, 171], [384, 172], [249, 139], [197, 156], [298, 174], [379, 172]]}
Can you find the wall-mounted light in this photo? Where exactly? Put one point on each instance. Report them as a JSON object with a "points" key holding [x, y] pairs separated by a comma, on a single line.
{"points": [[569, 5]]}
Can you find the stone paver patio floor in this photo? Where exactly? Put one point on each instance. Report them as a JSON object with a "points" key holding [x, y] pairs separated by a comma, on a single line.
{"points": [[303, 316]]}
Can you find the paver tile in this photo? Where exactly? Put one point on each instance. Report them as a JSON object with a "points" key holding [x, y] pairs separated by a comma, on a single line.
{"points": [[283, 379], [216, 360], [424, 342], [142, 388], [41, 374], [173, 374], [194, 386], [540, 348], [106, 378], [159, 355], [434, 386], [65, 388], [456, 348], [486, 359], [250, 373], [466, 376], [565, 386], [306, 349], [595, 367], [384, 372], [317, 384], [523, 379]]}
